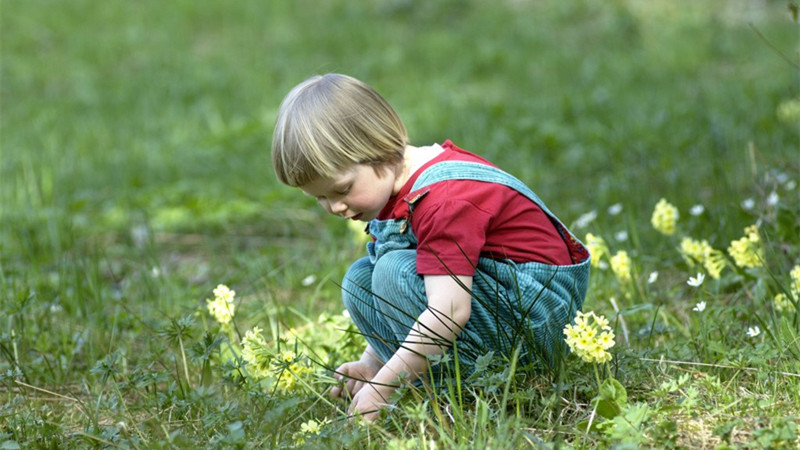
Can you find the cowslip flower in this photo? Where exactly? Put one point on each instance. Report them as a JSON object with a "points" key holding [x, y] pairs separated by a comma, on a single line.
{"points": [[782, 303], [222, 307], [287, 368], [753, 331], [700, 307], [747, 252], [621, 266], [597, 248], [309, 428], [694, 251], [665, 217], [256, 354], [590, 337], [696, 281], [794, 288], [312, 426]]}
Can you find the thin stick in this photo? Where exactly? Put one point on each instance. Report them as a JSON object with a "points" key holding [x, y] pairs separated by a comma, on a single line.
{"points": [[720, 366]]}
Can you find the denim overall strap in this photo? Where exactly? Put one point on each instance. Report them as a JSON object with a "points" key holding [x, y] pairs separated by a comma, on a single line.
{"points": [[466, 170]]}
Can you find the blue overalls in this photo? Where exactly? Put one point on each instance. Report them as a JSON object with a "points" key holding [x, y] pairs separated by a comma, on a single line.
{"points": [[513, 304]]}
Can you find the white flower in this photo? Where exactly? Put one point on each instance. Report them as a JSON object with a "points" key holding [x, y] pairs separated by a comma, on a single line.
{"points": [[753, 331], [621, 236], [790, 185], [696, 210], [309, 280], [615, 209], [748, 204], [773, 198], [700, 307], [696, 281], [586, 219], [652, 278]]}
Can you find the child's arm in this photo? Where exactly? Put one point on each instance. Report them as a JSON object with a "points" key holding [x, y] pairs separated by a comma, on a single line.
{"points": [[449, 309]]}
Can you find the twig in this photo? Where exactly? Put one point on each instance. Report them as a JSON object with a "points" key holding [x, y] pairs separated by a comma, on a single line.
{"points": [[719, 366]]}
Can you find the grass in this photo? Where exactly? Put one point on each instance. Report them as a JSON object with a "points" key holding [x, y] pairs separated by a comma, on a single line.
{"points": [[134, 178]]}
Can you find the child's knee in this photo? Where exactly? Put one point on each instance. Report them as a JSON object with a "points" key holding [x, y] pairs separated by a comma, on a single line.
{"points": [[357, 282], [395, 267]]}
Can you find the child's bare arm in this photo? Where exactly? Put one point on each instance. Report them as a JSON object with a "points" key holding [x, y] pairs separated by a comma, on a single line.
{"points": [[449, 309]]}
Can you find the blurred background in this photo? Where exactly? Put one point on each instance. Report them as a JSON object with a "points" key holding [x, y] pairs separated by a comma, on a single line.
{"points": [[135, 134]]}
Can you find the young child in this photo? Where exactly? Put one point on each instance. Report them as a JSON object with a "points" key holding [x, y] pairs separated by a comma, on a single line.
{"points": [[465, 258]]}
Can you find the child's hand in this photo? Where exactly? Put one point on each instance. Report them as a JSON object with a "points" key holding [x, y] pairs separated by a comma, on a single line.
{"points": [[368, 401], [355, 374]]}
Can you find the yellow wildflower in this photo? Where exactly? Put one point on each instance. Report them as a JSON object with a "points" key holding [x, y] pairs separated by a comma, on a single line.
{"points": [[714, 263], [312, 426], [597, 248], [694, 251], [747, 252], [794, 288], [621, 266], [665, 217], [287, 369], [256, 353], [222, 308], [783, 303], [591, 343]]}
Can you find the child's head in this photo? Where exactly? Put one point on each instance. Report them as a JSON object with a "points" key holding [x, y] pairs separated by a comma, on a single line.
{"points": [[330, 122]]}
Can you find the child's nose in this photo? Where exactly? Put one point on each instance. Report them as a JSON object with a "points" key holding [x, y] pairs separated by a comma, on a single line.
{"points": [[338, 208]]}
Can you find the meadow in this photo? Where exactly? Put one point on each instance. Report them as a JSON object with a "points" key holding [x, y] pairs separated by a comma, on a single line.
{"points": [[135, 180]]}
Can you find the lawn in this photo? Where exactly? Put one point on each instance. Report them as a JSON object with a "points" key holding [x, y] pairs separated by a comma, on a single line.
{"points": [[135, 179]]}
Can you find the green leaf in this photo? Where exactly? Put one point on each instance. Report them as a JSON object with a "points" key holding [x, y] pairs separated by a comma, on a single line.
{"points": [[606, 408], [613, 391]]}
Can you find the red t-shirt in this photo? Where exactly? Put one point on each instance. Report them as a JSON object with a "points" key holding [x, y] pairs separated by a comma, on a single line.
{"points": [[458, 221]]}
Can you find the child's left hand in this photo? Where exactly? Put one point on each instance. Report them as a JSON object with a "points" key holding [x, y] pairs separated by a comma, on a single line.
{"points": [[369, 400]]}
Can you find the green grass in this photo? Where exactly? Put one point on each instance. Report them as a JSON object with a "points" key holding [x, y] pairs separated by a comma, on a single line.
{"points": [[134, 178]]}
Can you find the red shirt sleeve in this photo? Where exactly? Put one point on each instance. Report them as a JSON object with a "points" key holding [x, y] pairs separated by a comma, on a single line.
{"points": [[451, 235]]}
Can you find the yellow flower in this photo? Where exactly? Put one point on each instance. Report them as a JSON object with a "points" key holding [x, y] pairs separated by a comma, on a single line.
{"points": [[597, 248], [286, 369], [665, 217], [694, 251], [621, 266], [714, 263], [222, 308], [747, 252], [312, 426], [586, 342], [794, 288], [256, 353], [783, 303]]}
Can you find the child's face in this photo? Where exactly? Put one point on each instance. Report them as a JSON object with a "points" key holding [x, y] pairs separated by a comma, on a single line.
{"points": [[357, 193]]}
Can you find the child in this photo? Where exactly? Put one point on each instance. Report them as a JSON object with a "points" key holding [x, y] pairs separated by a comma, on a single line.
{"points": [[465, 258]]}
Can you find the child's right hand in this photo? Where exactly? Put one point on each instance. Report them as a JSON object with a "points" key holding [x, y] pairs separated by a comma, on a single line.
{"points": [[355, 375]]}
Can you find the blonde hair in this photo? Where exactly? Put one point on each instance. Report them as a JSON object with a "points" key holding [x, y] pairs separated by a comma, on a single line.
{"points": [[330, 122]]}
